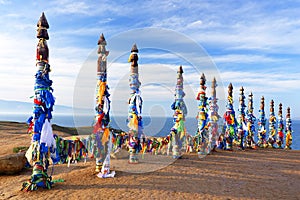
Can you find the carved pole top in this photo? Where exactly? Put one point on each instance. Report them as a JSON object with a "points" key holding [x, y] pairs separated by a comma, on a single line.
{"points": [[280, 109], [42, 25], [102, 40], [288, 114], [202, 80], [250, 103], [262, 103], [43, 21], [213, 87], [241, 90], [134, 48], [272, 106], [180, 70], [230, 88]]}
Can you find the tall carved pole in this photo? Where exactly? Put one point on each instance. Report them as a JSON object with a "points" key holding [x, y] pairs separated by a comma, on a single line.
{"points": [[250, 118], [202, 136], [229, 116], [213, 116], [135, 123], [262, 142], [288, 130], [178, 130], [272, 126], [43, 143], [241, 120], [102, 119], [280, 127]]}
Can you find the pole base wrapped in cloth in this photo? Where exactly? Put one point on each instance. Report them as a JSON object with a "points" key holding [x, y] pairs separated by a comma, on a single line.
{"points": [[105, 170], [134, 149], [39, 178]]}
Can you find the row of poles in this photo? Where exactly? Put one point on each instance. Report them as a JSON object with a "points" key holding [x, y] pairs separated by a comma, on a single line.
{"points": [[239, 131]]}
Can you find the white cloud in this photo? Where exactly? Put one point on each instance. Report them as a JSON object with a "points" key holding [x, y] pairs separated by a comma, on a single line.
{"points": [[91, 8], [272, 85], [70, 7], [3, 2], [195, 24], [249, 26], [159, 56], [244, 58]]}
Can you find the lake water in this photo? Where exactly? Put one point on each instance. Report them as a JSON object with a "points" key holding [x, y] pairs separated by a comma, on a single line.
{"points": [[153, 126]]}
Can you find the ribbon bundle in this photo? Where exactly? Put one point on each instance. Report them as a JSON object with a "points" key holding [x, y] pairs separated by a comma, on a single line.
{"points": [[69, 151]]}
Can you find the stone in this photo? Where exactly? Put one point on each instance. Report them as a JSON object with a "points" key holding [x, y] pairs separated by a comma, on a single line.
{"points": [[12, 164]]}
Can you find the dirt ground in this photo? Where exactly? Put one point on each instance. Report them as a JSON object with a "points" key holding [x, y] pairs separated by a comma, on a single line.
{"points": [[250, 174]]}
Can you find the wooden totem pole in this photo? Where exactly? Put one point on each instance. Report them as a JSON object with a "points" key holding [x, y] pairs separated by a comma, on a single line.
{"points": [[241, 120], [280, 128], [272, 126], [135, 123], [262, 138], [288, 130], [202, 136], [101, 126], [43, 145], [213, 116], [230, 121], [178, 132], [250, 118]]}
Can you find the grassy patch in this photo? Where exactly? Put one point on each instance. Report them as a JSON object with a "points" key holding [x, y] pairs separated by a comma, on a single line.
{"points": [[18, 149]]}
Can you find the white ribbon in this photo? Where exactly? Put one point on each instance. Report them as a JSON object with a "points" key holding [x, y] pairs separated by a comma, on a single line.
{"points": [[106, 105], [138, 101], [245, 128], [105, 170], [47, 135]]}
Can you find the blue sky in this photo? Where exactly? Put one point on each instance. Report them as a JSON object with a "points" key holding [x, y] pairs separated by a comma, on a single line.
{"points": [[254, 44]]}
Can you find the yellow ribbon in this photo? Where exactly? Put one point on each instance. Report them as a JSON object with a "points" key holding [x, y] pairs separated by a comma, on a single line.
{"points": [[105, 136], [102, 87]]}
